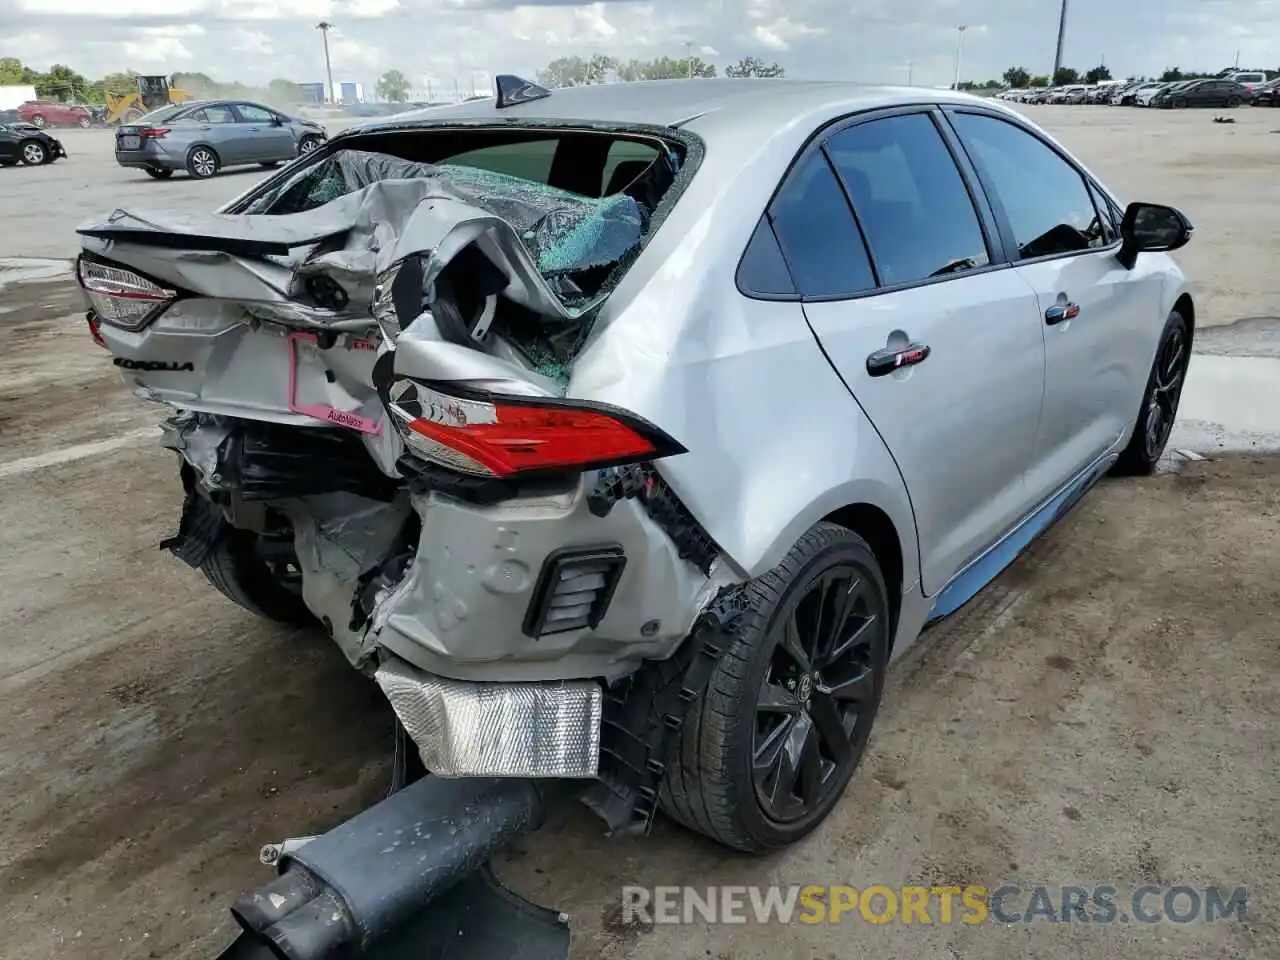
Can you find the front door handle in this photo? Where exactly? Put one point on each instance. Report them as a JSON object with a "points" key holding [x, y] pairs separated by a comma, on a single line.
{"points": [[1060, 311], [890, 359]]}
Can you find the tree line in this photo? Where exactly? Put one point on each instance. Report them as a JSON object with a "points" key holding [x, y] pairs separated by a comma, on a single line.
{"points": [[60, 82], [394, 86], [575, 71]]}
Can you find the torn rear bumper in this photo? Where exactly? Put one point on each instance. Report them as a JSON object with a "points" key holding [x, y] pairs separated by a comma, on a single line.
{"points": [[466, 729]]}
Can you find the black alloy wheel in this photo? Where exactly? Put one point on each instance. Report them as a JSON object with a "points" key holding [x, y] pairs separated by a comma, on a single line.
{"points": [[818, 698], [1160, 400], [278, 556], [768, 749]]}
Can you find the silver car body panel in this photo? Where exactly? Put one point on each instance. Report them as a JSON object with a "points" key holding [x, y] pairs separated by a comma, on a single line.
{"points": [[775, 439]]}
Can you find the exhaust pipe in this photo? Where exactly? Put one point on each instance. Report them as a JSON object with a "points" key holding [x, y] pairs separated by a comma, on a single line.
{"points": [[406, 877]]}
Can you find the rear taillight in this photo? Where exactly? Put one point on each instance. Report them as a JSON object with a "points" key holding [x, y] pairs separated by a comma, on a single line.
{"points": [[496, 435], [95, 329], [121, 297], [153, 133]]}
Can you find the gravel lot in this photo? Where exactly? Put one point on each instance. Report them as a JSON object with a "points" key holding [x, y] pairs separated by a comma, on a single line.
{"points": [[1105, 714]]}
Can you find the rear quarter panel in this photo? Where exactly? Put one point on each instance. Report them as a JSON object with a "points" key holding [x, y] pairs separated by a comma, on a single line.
{"points": [[775, 440]]}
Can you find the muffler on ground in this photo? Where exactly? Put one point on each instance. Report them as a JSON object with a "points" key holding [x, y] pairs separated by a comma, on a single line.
{"points": [[406, 879]]}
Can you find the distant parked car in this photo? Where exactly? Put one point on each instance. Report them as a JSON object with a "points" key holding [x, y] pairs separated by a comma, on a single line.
{"points": [[204, 136], [1146, 98], [1202, 93], [1267, 95], [1249, 79], [1103, 91], [50, 113], [1128, 96], [25, 143]]}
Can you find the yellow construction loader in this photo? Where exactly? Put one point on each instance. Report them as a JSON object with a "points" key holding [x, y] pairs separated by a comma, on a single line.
{"points": [[152, 93]]}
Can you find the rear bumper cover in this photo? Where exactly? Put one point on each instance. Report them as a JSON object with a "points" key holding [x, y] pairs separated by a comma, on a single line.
{"points": [[151, 156], [467, 729]]}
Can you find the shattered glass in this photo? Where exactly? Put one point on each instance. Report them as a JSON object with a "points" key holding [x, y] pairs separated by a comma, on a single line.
{"points": [[564, 232]]}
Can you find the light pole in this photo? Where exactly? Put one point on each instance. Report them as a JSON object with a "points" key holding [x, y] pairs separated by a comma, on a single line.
{"points": [[324, 27], [688, 51], [959, 49], [1062, 33], [911, 68]]}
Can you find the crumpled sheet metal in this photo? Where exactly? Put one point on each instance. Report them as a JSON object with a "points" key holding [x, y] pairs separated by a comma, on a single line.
{"points": [[564, 231], [466, 729], [534, 233]]}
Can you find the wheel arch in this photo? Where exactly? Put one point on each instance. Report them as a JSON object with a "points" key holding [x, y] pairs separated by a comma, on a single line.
{"points": [[202, 145], [876, 527], [1185, 306]]}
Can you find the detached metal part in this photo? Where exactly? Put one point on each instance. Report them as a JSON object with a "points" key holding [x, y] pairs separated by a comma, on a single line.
{"points": [[405, 879]]}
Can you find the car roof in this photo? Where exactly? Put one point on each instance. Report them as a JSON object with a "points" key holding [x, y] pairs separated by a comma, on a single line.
{"points": [[686, 103]]}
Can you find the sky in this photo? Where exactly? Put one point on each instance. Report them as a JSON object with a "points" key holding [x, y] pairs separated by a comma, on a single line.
{"points": [[463, 42]]}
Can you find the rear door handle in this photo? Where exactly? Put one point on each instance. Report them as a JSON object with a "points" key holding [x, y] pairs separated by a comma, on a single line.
{"points": [[1060, 311], [890, 359]]}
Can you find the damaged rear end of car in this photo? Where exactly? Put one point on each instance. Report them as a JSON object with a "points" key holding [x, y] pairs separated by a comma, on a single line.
{"points": [[368, 364]]}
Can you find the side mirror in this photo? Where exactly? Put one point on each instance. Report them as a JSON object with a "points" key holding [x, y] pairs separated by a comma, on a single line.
{"points": [[1151, 227]]}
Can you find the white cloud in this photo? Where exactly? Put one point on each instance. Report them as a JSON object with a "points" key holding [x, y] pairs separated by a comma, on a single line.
{"points": [[781, 33], [253, 42], [156, 51]]}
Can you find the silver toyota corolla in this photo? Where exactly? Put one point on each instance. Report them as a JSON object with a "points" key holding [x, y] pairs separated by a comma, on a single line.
{"points": [[204, 136], [627, 432]]}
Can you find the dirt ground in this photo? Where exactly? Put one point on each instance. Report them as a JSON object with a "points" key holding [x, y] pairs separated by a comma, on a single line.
{"points": [[1105, 714]]}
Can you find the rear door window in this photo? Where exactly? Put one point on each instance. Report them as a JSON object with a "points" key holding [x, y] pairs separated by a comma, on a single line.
{"points": [[530, 159], [818, 234], [215, 114], [910, 199]]}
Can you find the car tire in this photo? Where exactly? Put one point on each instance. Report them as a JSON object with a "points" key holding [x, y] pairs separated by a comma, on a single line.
{"points": [[715, 781], [1178, 104], [238, 571], [1160, 400], [34, 153], [39, 122], [85, 122], [159, 173], [1234, 102], [203, 163], [307, 145]]}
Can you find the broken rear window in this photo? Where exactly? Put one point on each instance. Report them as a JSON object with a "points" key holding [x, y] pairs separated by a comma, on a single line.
{"points": [[468, 205]]}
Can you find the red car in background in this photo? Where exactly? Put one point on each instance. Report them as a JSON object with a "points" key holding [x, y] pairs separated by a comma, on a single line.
{"points": [[49, 113]]}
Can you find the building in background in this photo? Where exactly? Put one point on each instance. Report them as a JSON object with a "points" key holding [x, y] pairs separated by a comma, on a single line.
{"points": [[312, 93], [343, 92]]}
